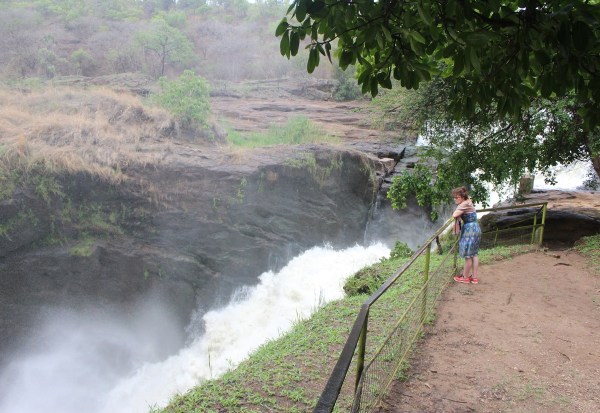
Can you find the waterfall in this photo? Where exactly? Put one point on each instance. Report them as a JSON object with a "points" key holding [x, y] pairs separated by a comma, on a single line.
{"points": [[567, 177], [97, 362]]}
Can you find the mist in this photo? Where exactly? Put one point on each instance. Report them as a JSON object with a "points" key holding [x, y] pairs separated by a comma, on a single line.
{"points": [[77, 355], [102, 361]]}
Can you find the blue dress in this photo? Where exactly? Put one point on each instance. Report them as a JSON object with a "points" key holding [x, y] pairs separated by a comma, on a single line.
{"points": [[470, 236]]}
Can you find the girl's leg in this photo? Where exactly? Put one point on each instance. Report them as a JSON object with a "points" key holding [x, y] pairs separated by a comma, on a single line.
{"points": [[467, 269], [475, 266]]}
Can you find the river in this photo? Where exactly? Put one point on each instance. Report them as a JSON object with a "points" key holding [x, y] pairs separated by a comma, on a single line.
{"points": [[100, 362]]}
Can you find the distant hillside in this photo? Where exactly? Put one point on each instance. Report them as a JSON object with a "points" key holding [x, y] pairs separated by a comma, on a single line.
{"points": [[225, 39]]}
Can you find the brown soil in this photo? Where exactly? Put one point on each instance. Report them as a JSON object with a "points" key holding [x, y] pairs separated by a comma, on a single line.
{"points": [[526, 339]]}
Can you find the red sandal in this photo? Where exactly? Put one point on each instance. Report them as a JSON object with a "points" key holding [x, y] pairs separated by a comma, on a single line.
{"points": [[461, 279]]}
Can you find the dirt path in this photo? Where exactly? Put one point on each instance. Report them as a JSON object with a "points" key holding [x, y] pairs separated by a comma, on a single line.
{"points": [[526, 339]]}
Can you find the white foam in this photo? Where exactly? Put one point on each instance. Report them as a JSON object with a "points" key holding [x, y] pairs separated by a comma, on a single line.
{"points": [[105, 364]]}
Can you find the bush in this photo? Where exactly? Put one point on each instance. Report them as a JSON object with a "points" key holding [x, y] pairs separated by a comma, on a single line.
{"points": [[345, 87], [186, 98], [401, 250], [365, 281]]}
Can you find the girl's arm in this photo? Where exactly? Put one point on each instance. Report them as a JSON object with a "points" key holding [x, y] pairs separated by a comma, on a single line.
{"points": [[460, 209]]}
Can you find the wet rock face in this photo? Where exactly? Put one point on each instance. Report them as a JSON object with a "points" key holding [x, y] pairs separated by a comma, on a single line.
{"points": [[206, 228]]}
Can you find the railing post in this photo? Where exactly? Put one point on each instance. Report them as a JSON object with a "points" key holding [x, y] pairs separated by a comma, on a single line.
{"points": [[534, 228], [362, 343], [544, 208], [425, 282], [455, 267]]}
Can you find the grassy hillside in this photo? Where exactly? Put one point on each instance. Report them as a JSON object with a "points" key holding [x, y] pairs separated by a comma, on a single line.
{"points": [[97, 131]]}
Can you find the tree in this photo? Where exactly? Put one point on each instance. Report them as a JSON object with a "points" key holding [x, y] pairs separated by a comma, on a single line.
{"points": [[483, 149], [497, 51], [528, 71], [164, 44]]}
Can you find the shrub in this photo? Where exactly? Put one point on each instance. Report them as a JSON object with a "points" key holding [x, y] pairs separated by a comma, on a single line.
{"points": [[401, 250], [186, 98], [345, 87]]}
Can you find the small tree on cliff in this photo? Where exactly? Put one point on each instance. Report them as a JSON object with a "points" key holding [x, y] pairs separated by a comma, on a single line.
{"points": [[517, 83]]}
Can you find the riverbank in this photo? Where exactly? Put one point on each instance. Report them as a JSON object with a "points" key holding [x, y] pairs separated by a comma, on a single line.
{"points": [[287, 375]]}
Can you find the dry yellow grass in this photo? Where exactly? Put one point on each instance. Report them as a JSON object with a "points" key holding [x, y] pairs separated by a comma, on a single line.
{"points": [[98, 131]]}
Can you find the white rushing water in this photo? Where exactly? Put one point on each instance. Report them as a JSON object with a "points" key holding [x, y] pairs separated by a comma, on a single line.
{"points": [[567, 177], [71, 374]]}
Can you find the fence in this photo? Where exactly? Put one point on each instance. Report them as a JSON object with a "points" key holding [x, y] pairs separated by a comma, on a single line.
{"points": [[379, 346]]}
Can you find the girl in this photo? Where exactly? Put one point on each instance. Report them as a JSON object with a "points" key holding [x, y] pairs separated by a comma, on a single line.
{"points": [[470, 235]]}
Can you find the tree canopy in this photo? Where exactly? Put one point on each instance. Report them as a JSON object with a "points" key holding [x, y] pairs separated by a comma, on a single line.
{"points": [[511, 86], [498, 52]]}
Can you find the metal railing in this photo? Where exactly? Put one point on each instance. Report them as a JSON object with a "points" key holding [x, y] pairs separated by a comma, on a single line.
{"points": [[379, 346]]}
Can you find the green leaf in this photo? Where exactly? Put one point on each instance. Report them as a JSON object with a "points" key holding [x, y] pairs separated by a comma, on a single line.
{"points": [[418, 37], [362, 78], [281, 28], [315, 7], [387, 33], [474, 59], [313, 60], [424, 14], [374, 86], [459, 64], [294, 43], [479, 39], [380, 41], [346, 58], [328, 51], [384, 80], [301, 10], [284, 45]]}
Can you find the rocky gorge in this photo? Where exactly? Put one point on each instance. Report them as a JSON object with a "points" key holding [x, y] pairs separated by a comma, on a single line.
{"points": [[200, 223]]}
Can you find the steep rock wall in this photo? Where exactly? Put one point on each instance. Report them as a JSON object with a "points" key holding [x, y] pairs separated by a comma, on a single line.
{"points": [[192, 229]]}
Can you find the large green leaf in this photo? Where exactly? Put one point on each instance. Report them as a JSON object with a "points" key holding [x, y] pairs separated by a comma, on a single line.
{"points": [[294, 43], [284, 45]]}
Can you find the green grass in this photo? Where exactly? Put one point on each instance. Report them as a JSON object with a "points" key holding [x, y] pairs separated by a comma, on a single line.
{"points": [[590, 248], [288, 374], [296, 131], [84, 247]]}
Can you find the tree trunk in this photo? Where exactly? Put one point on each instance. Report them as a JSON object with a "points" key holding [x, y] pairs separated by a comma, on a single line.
{"points": [[596, 163]]}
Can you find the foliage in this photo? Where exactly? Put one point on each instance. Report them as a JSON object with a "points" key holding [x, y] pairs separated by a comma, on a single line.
{"points": [[83, 61], [498, 53], [420, 182], [401, 250], [186, 97], [484, 151], [592, 181], [163, 44], [590, 247], [36, 38], [510, 87], [84, 247], [297, 130], [345, 87]]}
